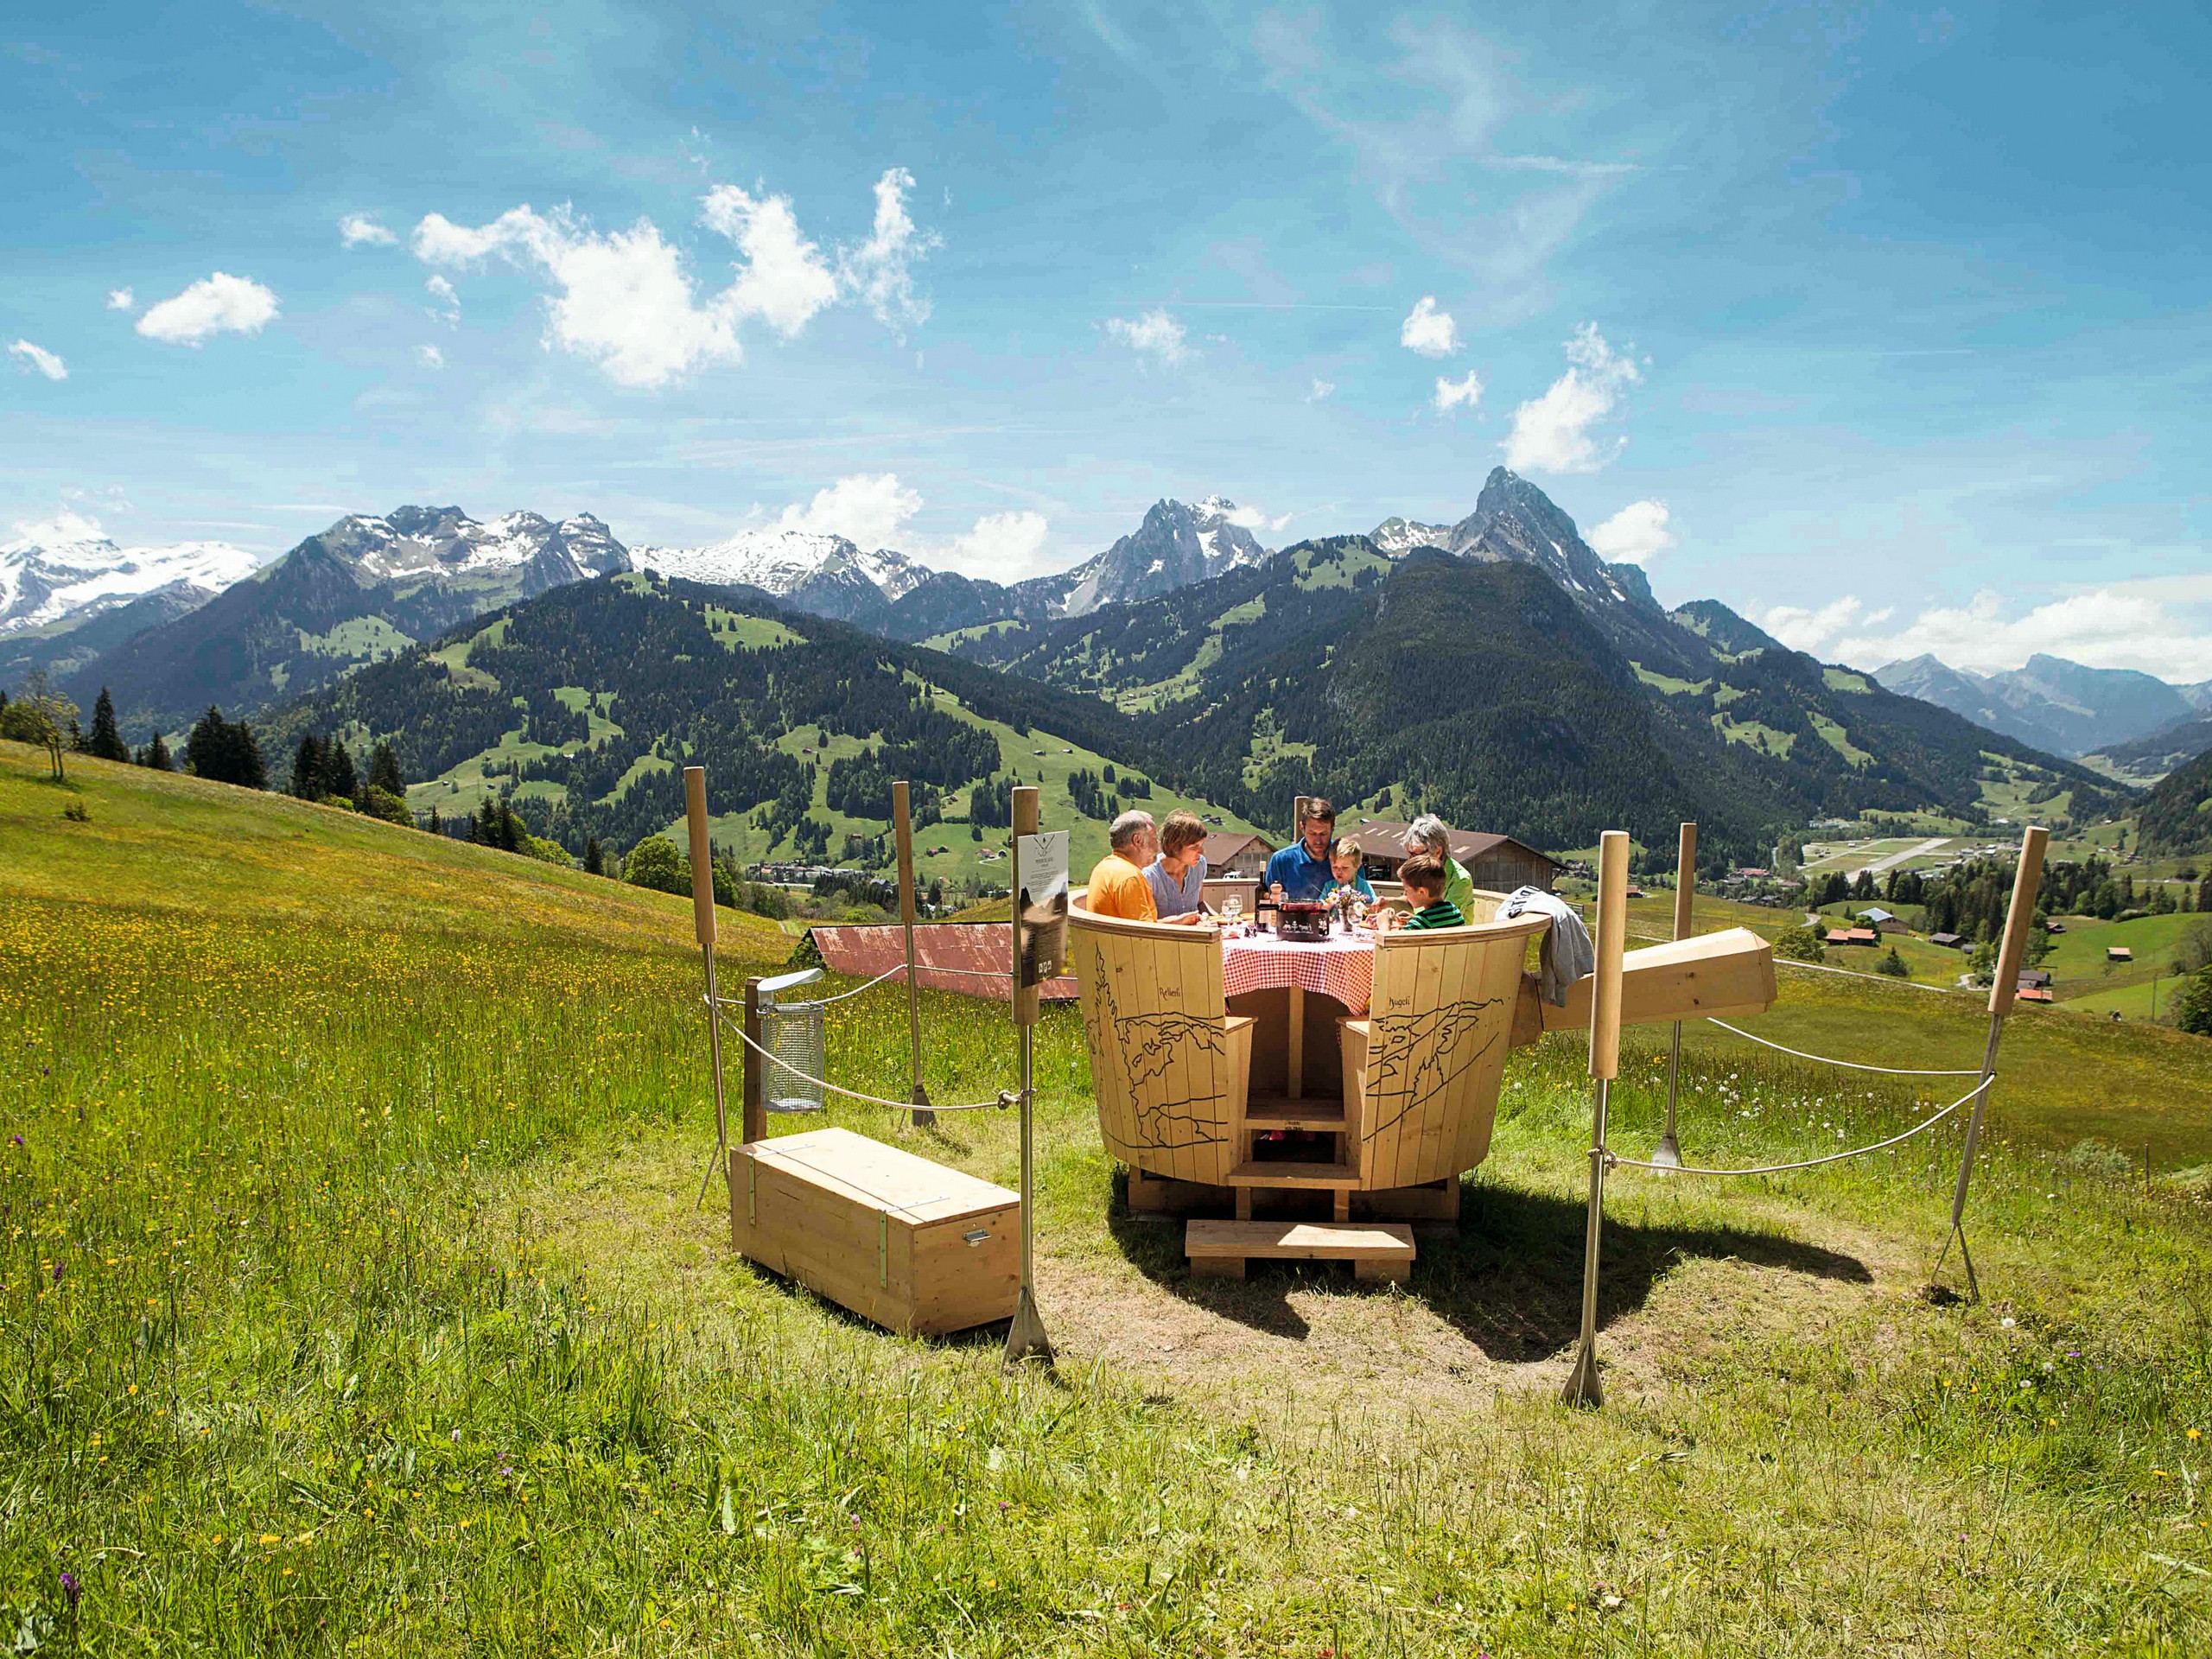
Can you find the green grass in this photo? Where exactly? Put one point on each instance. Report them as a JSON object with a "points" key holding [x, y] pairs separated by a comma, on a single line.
{"points": [[1669, 683], [355, 1300]]}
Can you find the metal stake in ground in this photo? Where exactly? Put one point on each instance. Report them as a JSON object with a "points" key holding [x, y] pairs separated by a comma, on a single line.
{"points": [[902, 825], [1582, 1386], [1669, 1155], [1025, 1337], [2027, 881], [703, 924]]}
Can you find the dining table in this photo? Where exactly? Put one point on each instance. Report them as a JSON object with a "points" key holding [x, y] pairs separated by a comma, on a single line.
{"points": [[1340, 967]]}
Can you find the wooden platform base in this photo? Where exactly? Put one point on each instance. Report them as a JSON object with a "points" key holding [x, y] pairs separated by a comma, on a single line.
{"points": [[1438, 1203], [1377, 1251]]}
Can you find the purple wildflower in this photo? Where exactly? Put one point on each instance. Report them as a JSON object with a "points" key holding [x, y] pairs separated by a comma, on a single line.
{"points": [[70, 1588]]}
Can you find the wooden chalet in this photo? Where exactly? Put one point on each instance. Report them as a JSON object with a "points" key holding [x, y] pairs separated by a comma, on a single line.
{"points": [[1494, 862], [1853, 936], [2119, 953], [2035, 993], [1948, 941], [1880, 920], [1237, 852], [2034, 979]]}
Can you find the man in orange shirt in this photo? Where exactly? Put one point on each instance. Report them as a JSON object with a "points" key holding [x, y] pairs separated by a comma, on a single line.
{"points": [[1118, 887]]}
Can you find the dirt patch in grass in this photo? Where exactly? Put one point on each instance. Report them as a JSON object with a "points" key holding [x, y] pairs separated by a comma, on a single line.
{"points": [[1493, 1309]]}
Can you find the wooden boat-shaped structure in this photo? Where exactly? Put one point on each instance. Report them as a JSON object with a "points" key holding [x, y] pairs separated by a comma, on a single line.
{"points": [[1405, 1096]]}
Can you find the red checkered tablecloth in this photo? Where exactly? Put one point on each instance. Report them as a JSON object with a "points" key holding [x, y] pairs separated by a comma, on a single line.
{"points": [[1343, 967]]}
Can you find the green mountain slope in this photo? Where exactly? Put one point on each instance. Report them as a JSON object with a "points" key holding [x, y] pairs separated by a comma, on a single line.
{"points": [[1766, 737], [582, 706], [2177, 816]]}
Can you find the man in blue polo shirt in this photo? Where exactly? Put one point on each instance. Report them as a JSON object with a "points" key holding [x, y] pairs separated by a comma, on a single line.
{"points": [[1301, 869]]}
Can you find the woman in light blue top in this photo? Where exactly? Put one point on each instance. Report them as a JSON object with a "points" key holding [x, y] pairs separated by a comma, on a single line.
{"points": [[1178, 876]]}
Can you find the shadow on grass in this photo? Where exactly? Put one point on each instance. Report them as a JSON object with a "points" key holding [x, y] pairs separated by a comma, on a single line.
{"points": [[1508, 1277]]}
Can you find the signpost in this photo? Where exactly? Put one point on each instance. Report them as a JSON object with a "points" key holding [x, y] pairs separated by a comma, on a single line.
{"points": [[1039, 880]]}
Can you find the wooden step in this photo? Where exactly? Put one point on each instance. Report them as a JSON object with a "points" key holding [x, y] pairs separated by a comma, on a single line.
{"points": [[1280, 1112], [1261, 1171], [1375, 1249]]}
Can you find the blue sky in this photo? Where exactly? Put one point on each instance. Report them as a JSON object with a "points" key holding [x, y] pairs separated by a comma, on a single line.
{"points": [[1890, 327]]}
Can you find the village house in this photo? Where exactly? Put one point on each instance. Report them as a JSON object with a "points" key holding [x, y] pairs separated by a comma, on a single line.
{"points": [[1497, 863]]}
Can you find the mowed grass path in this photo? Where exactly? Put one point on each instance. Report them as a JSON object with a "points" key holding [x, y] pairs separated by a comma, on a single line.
{"points": [[353, 1298]]}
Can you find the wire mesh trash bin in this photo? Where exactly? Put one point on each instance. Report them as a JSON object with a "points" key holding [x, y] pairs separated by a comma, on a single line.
{"points": [[793, 1033]]}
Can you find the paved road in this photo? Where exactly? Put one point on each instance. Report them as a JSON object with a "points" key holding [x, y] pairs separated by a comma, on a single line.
{"points": [[1881, 865]]}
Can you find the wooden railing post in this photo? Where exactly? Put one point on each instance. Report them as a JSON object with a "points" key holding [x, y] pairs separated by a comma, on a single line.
{"points": [[1583, 1387], [2027, 881], [902, 826], [1026, 1338], [1669, 1150], [702, 926]]}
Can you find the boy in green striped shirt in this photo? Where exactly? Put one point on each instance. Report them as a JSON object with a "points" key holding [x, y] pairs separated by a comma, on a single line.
{"points": [[1424, 876]]}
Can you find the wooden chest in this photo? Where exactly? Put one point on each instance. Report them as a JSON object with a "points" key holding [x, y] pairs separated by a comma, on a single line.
{"points": [[916, 1246]]}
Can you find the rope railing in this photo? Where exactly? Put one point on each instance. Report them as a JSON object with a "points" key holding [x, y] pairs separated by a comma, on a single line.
{"points": [[1006, 1098], [1614, 1160], [1825, 1059]]}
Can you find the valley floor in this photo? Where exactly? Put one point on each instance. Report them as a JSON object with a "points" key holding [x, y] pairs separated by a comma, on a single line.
{"points": [[355, 1298]]}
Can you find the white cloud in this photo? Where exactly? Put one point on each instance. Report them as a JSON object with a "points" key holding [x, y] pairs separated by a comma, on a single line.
{"points": [[867, 509], [1003, 546], [217, 304], [67, 525], [121, 299], [627, 302], [430, 356], [879, 272], [1551, 434], [1154, 334], [1250, 517], [36, 360], [1322, 390], [783, 281], [449, 299], [1634, 534], [2119, 627], [1428, 330], [357, 230], [1464, 393]]}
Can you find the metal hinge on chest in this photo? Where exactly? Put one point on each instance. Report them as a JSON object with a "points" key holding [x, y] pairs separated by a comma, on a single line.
{"points": [[883, 1252], [752, 1191]]}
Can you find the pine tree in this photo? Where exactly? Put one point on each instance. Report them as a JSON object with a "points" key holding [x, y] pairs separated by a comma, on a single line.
{"points": [[510, 829], [78, 743], [226, 751], [107, 741], [338, 777], [384, 772], [594, 859], [437, 823], [155, 755], [308, 768]]}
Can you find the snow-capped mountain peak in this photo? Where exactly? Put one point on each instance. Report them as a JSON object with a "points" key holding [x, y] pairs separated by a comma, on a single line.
{"points": [[413, 543], [1395, 537], [48, 578], [772, 559]]}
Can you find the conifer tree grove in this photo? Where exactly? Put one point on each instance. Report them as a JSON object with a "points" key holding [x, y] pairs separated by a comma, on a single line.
{"points": [[155, 755], [384, 772], [338, 774], [308, 768], [107, 741]]}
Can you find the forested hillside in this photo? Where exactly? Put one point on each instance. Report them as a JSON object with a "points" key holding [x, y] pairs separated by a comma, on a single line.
{"points": [[581, 707], [1769, 736], [2177, 816]]}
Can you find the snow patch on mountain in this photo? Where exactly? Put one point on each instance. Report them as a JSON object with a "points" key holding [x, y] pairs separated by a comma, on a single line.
{"points": [[47, 579], [1395, 537], [446, 543]]}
